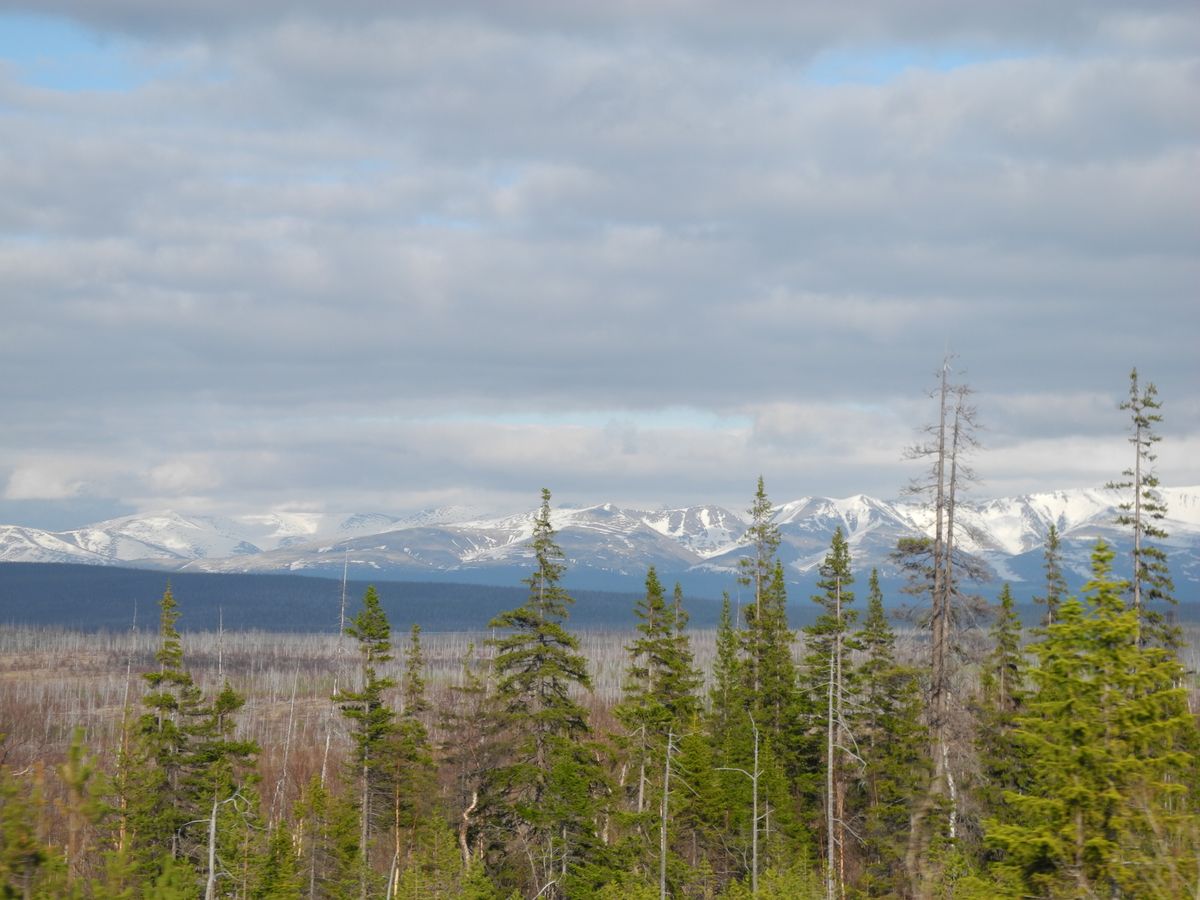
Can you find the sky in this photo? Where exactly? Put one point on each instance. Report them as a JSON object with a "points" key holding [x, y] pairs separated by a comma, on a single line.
{"points": [[370, 256]]}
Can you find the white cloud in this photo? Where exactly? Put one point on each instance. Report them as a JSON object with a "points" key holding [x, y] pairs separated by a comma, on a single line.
{"points": [[300, 222]]}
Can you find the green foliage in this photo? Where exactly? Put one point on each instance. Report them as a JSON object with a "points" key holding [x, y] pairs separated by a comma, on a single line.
{"points": [[23, 856], [413, 773], [1002, 763], [893, 746], [543, 793], [176, 880], [1143, 512], [726, 697], [1056, 583], [1109, 806], [433, 868], [371, 721], [277, 874], [330, 857], [769, 676], [182, 759]]}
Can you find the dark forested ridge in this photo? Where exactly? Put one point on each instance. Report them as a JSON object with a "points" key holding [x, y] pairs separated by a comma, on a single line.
{"points": [[95, 597], [103, 597]]}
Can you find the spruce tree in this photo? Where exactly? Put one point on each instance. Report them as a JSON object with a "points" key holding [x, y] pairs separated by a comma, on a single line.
{"points": [[762, 537], [1002, 699], [330, 859], [1056, 584], [371, 724], [642, 711], [828, 644], [658, 704], [185, 771], [1142, 513], [158, 805], [893, 747], [767, 669], [726, 697], [414, 776], [542, 793], [1109, 809]]}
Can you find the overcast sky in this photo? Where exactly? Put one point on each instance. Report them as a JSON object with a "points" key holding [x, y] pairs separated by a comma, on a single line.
{"points": [[262, 255]]}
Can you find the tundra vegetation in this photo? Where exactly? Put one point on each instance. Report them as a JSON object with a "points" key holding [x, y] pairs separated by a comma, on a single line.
{"points": [[952, 756]]}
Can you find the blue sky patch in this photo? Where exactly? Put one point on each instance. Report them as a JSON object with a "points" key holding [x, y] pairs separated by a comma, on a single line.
{"points": [[59, 55], [880, 65]]}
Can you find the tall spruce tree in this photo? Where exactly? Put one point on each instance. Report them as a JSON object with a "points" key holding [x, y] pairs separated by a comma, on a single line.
{"points": [[1142, 513], [1002, 699], [658, 705], [660, 682], [726, 697], [828, 644], [768, 672], [762, 537], [542, 793], [415, 824], [371, 724], [893, 747], [1108, 810], [1056, 583]]}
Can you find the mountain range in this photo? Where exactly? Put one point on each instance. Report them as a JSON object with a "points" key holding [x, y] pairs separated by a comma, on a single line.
{"points": [[610, 547]]}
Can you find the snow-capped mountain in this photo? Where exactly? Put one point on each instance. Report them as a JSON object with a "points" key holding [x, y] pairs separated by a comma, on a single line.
{"points": [[604, 544]]}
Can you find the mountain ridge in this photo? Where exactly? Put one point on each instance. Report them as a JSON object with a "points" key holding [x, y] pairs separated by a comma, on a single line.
{"points": [[604, 539]]}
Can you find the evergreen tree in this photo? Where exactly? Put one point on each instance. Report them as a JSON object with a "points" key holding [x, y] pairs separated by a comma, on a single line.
{"points": [[330, 860], [893, 747], [414, 775], [220, 775], [1002, 684], [1108, 810], [767, 668], [184, 771], [433, 869], [660, 683], [1142, 513], [726, 697], [371, 724], [642, 711], [23, 856], [828, 644], [157, 803], [542, 794], [1056, 584], [755, 572], [84, 806], [277, 875], [681, 681]]}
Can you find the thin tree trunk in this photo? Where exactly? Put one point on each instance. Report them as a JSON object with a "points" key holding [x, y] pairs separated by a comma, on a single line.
{"points": [[662, 836], [463, 827], [210, 886]]}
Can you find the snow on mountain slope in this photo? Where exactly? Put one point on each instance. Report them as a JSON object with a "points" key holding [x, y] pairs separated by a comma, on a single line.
{"points": [[1007, 532], [702, 529], [18, 544]]}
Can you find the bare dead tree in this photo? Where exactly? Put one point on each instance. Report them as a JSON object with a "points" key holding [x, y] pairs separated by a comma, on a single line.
{"points": [[937, 567]]}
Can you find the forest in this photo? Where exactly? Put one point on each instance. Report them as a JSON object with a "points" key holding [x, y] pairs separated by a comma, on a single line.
{"points": [[954, 755]]}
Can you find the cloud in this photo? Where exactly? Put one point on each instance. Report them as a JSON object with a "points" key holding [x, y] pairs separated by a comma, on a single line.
{"points": [[319, 258]]}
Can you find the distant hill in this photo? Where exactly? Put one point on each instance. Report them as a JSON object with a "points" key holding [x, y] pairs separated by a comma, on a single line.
{"points": [[94, 598], [102, 597]]}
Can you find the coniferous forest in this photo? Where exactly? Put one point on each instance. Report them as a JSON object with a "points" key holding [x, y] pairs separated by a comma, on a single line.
{"points": [[950, 754]]}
